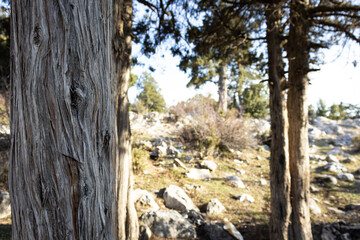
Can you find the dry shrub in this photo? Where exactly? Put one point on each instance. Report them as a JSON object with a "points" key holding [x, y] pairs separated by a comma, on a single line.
{"points": [[193, 106], [212, 131]]}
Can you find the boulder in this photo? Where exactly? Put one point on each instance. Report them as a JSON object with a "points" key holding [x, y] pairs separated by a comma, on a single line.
{"points": [[332, 158], [176, 198], [172, 152], [208, 165], [326, 179], [144, 232], [168, 224], [158, 152], [333, 167], [245, 198], [236, 181], [348, 177], [214, 207], [195, 173], [214, 231], [145, 198], [194, 217], [314, 208]]}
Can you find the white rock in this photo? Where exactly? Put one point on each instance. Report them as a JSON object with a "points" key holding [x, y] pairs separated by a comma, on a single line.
{"points": [[195, 173], [314, 208], [236, 181], [332, 158], [168, 224], [214, 207], [245, 198], [176, 198], [263, 181], [145, 198], [348, 177], [209, 165]]}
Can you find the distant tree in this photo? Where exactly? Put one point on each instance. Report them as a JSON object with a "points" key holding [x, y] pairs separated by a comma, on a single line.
{"points": [[321, 109], [311, 111], [254, 101], [150, 95]]}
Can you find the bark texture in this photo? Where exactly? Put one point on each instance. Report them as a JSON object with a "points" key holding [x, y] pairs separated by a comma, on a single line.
{"points": [[223, 98], [279, 160], [126, 213], [65, 149], [298, 53]]}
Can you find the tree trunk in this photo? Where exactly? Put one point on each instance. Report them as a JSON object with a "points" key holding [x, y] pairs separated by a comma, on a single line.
{"points": [[127, 217], [279, 159], [65, 149], [223, 98], [298, 54]]}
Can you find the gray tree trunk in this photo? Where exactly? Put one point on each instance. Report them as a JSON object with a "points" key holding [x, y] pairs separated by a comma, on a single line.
{"points": [[65, 149], [223, 97], [298, 54], [279, 159]]}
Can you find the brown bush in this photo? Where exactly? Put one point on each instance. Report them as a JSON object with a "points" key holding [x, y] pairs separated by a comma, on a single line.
{"points": [[211, 131]]}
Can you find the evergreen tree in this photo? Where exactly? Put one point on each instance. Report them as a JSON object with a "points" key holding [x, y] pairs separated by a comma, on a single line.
{"points": [[321, 109], [150, 96], [254, 101]]}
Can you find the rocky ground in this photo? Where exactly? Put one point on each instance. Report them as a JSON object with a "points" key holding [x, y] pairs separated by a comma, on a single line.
{"points": [[227, 196], [180, 192]]}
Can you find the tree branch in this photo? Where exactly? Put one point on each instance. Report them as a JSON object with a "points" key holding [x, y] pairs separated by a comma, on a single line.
{"points": [[339, 28], [338, 8]]}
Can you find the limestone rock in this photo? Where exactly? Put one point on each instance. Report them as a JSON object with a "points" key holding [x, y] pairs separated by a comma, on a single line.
{"points": [[348, 177], [214, 207], [195, 173], [332, 158], [145, 198], [314, 208], [245, 198], [236, 181], [179, 163], [176, 198], [172, 151], [208, 165], [168, 224]]}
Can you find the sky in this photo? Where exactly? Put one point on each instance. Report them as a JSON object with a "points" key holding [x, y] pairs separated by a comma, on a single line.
{"points": [[337, 81]]}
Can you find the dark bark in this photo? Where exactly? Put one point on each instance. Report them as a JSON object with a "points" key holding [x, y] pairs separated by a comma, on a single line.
{"points": [[298, 54], [63, 159], [279, 159]]}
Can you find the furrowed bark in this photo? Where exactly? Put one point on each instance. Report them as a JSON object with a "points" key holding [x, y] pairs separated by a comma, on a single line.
{"points": [[279, 159], [127, 217], [65, 148], [298, 53]]}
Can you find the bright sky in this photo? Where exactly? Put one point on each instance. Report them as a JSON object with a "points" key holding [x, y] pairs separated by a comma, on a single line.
{"points": [[337, 81]]}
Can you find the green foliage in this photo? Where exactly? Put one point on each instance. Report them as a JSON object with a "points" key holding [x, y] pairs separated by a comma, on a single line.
{"points": [[321, 109], [337, 112], [150, 97], [254, 101]]}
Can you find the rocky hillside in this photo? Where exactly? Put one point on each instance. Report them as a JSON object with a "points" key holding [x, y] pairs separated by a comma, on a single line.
{"points": [[182, 193]]}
